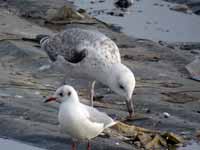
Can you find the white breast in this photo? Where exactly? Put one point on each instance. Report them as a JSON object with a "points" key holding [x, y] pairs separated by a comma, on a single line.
{"points": [[73, 121]]}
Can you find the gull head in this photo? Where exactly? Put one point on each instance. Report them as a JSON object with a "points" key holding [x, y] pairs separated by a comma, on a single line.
{"points": [[63, 94], [122, 82]]}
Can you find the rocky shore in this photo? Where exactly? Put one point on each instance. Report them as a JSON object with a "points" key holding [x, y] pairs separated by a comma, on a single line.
{"points": [[166, 97]]}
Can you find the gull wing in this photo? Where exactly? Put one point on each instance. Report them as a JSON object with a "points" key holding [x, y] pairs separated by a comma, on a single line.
{"points": [[95, 115], [63, 45]]}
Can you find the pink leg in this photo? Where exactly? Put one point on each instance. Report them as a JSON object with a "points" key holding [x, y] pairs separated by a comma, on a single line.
{"points": [[73, 146], [92, 93], [88, 146]]}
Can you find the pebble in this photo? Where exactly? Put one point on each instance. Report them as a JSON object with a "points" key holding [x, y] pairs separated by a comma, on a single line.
{"points": [[124, 3], [147, 110], [44, 67], [166, 114], [4, 95], [115, 14], [37, 93], [137, 144], [18, 96]]}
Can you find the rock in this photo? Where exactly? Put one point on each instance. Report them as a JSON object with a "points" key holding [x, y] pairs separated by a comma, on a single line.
{"points": [[179, 97], [189, 46], [116, 28], [194, 5], [64, 13], [173, 138], [147, 110], [194, 69], [181, 8], [124, 3], [80, 10], [112, 13], [166, 115], [44, 67], [18, 96], [195, 51], [101, 1], [198, 134]]}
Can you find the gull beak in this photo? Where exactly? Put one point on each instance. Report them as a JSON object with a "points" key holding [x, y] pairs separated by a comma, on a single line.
{"points": [[50, 99], [129, 104]]}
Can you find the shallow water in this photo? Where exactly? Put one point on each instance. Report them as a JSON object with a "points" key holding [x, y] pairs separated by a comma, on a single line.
{"points": [[6, 144], [191, 146], [150, 19]]}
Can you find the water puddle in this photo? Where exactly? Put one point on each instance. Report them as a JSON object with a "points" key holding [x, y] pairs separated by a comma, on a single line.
{"points": [[7, 144], [150, 19]]}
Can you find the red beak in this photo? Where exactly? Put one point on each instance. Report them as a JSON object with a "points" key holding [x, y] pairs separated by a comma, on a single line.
{"points": [[50, 99]]}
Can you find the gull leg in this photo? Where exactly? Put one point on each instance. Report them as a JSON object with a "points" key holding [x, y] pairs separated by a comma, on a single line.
{"points": [[73, 146], [63, 80], [88, 146], [92, 93]]}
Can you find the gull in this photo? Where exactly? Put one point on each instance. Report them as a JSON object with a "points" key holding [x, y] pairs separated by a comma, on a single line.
{"points": [[89, 54], [79, 121]]}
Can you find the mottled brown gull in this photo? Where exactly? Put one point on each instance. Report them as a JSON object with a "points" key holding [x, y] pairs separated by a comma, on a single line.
{"points": [[83, 53]]}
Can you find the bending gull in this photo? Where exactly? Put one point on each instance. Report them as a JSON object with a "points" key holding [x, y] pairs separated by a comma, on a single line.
{"points": [[80, 121], [90, 54]]}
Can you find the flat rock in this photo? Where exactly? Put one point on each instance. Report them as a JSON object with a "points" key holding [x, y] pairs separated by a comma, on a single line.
{"points": [[159, 70]]}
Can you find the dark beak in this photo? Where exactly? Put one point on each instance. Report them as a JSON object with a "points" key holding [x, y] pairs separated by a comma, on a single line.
{"points": [[129, 104], [50, 99]]}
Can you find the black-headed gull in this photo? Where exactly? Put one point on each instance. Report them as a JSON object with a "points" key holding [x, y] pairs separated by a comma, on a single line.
{"points": [[80, 121], [90, 54]]}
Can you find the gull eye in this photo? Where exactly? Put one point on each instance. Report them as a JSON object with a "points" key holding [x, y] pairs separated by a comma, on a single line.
{"points": [[121, 86], [61, 94], [69, 93]]}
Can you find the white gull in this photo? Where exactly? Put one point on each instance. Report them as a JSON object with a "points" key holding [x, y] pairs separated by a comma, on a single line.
{"points": [[90, 54], [79, 121]]}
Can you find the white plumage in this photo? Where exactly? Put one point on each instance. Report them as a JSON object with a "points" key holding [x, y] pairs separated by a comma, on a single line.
{"points": [[80, 121]]}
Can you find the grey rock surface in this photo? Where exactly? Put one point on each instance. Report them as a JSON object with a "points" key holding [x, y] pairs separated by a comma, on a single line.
{"points": [[162, 85]]}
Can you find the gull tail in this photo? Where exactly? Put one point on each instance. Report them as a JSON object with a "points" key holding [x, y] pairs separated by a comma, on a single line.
{"points": [[110, 124], [113, 121], [40, 38]]}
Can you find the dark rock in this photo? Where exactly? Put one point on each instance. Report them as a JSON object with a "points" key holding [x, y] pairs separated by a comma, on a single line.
{"points": [[194, 5], [181, 8], [115, 28], [190, 46], [81, 10], [155, 4], [101, 1], [112, 13], [124, 3], [147, 110], [139, 11], [195, 52]]}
